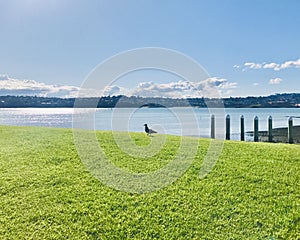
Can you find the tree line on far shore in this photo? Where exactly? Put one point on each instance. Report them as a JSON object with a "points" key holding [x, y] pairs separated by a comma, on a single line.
{"points": [[276, 100]]}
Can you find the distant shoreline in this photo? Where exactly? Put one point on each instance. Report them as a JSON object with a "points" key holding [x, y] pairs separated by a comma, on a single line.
{"points": [[146, 107], [287, 100]]}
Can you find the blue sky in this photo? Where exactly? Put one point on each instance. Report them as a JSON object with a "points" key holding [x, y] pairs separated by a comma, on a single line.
{"points": [[247, 47]]}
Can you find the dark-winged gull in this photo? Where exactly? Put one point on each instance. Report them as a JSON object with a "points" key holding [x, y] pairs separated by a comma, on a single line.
{"points": [[148, 130]]}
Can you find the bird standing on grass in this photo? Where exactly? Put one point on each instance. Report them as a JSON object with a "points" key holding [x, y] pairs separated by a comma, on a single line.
{"points": [[148, 130]]}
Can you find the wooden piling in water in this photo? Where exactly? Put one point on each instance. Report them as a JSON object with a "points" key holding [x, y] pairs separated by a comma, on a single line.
{"points": [[270, 129], [227, 127], [242, 128], [256, 129], [290, 130], [213, 126]]}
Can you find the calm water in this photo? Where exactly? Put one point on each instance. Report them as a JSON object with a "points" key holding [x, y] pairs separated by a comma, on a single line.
{"points": [[177, 121]]}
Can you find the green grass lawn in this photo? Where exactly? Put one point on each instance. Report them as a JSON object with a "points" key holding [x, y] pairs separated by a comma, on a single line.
{"points": [[46, 192]]}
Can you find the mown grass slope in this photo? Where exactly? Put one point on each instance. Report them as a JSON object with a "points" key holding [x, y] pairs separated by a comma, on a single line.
{"points": [[46, 192]]}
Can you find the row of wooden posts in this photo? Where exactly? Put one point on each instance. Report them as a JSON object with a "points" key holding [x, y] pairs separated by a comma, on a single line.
{"points": [[256, 132]]}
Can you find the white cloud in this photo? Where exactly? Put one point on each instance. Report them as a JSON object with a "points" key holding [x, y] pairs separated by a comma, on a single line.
{"points": [[236, 66], [111, 90], [11, 86], [255, 84], [4, 77], [275, 81], [228, 85], [211, 87], [290, 64], [253, 65], [272, 65]]}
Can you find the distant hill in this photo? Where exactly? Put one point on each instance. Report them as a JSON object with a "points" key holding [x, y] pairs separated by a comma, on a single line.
{"points": [[272, 101]]}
